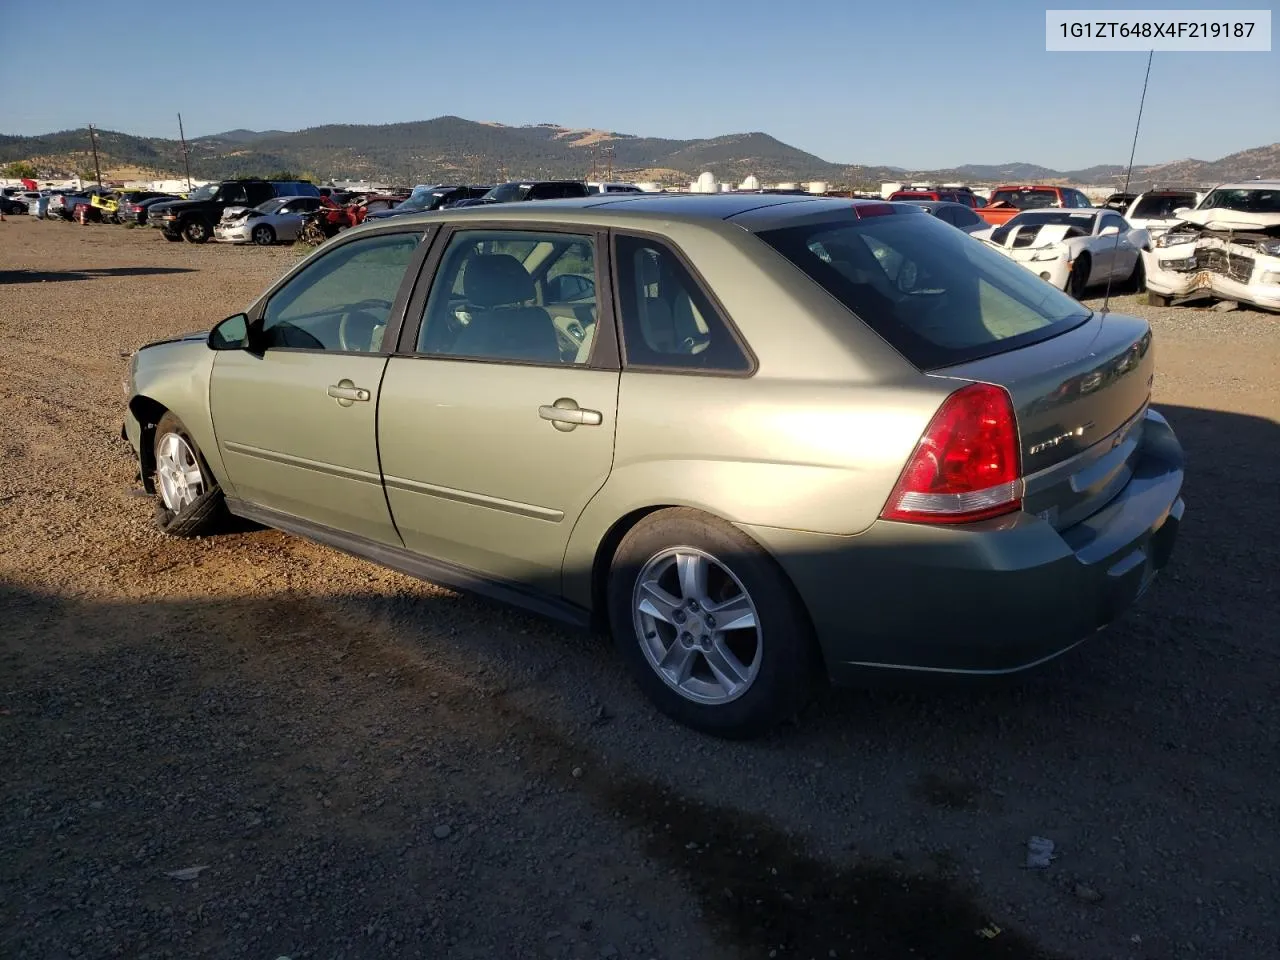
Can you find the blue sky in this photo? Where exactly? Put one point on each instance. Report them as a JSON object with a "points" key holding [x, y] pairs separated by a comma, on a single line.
{"points": [[914, 84]]}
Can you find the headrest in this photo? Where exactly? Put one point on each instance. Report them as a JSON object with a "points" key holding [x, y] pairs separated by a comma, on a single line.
{"points": [[494, 279]]}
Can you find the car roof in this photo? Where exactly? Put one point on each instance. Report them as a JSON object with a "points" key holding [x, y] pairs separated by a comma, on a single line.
{"points": [[1249, 185], [934, 204], [752, 212]]}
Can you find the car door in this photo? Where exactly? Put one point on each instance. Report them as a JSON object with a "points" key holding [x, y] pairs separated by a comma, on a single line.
{"points": [[295, 415], [496, 420]]}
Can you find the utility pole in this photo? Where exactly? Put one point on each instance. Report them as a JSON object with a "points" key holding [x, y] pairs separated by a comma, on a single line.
{"points": [[93, 142], [186, 160]]}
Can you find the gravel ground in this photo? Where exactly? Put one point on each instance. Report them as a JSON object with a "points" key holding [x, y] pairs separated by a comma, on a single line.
{"points": [[363, 765]]}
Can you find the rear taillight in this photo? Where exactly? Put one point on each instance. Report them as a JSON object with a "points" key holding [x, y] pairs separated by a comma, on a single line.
{"points": [[966, 466]]}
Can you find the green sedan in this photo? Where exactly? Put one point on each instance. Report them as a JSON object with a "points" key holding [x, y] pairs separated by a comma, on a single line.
{"points": [[761, 440]]}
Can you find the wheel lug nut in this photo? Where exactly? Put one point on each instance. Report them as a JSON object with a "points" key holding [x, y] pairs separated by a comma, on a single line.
{"points": [[680, 616], [711, 623], [686, 638]]}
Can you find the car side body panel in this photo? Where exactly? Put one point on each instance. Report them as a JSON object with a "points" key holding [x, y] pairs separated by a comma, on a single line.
{"points": [[175, 375]]}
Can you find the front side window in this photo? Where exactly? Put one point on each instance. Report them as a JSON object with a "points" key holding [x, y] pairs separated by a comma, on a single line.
{"points": [[964, 216], [667, 320], [936, 295], [514, 296], [341, 302]]}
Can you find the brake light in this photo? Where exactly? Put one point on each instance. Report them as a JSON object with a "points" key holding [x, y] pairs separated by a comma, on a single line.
{"points": [[861, 210], [967, 466]]}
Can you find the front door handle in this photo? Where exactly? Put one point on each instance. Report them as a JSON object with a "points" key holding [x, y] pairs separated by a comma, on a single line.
{"points": [[565, 414], [347, 393]]}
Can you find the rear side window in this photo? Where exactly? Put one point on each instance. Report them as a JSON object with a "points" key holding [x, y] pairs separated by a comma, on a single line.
{"points": [[668, 322], [936, 295]]}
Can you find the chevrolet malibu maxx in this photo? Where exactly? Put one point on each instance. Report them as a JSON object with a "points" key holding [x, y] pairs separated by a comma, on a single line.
{"points": [[762, 441]]}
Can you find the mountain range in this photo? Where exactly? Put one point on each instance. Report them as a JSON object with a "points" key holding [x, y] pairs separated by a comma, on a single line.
{"points": [[453, 149]]}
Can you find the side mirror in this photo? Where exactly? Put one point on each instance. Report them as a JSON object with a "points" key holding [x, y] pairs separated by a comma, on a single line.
{"points": [[1108, 231], [1180, 210], [231, 334]]}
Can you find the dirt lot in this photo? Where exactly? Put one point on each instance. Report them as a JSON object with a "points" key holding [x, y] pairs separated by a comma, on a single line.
{"points": [[369, 766]]}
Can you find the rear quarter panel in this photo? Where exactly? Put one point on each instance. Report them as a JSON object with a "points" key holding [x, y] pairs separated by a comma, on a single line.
{"points": [[813, 440]]}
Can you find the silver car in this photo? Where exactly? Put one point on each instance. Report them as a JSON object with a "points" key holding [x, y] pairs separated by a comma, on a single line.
{"points": [[276, 221]]}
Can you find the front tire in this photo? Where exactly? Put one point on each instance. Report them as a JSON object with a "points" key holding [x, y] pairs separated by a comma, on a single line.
{"points": [[191, 503], [1078, 282], [195, 231], [263, 235], [172, 237], [709, 625]]}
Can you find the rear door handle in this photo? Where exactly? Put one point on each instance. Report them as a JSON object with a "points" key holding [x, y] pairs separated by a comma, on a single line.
{"points": [[565, 414], [346, 392]]}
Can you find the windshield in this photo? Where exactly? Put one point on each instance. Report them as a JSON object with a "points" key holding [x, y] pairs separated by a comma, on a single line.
{"points": [[203, 193], [1155, 207], [507, 192], [936, 294], [1057, 217], [1262, 200], [422, 198], [1026, 199], [271, 206]]}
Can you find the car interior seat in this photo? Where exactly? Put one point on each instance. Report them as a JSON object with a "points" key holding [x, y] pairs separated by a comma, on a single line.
{"points": [[498, 291]]}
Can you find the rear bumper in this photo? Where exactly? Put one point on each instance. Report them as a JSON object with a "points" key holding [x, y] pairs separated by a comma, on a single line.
{"points": [[989, 598]]}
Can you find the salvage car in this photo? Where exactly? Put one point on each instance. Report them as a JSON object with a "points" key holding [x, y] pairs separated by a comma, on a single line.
{"points": [[1156, 210], [960, 215], [588, 408], [1228, 247], [276, 221], [1005, 202], [1073, 249]]}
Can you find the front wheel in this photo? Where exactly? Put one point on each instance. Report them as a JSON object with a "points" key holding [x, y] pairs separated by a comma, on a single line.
{"points": [[709, 625], [191, 502], [1078, 281], [263, 235], [196, 231]]}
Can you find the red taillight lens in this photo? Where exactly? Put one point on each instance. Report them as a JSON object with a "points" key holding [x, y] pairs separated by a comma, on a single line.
{"points": [[966, 466], [864, 210]]}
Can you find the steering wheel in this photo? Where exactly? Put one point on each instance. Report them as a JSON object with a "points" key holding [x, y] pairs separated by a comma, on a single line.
{"points": [[358, 325]]}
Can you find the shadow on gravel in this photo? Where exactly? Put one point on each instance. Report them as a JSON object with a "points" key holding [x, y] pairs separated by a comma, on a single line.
{"points": [[57, 276]]}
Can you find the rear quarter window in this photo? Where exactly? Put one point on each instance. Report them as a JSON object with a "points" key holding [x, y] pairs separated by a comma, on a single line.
{"points": [[936, 295]]}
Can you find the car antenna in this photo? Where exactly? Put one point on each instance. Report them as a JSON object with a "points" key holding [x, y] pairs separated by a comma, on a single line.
{"points": [[1106, 300]]}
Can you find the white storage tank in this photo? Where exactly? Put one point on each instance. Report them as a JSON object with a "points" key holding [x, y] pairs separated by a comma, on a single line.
{"points": [[752, 182], [817, 186], [707, 183], [786, 186]]}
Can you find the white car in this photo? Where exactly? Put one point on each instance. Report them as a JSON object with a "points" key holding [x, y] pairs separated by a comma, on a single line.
{"points": [[1227, 247], [1155, 210], [276, 221], [1073, 249]]}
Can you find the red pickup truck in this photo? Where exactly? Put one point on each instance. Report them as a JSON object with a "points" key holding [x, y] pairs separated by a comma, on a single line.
{"points": [[1008, 201]]}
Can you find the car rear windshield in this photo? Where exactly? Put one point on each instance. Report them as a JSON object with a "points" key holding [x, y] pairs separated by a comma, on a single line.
{"points": [[1161, 206], [1026, 199], [937, 295]]}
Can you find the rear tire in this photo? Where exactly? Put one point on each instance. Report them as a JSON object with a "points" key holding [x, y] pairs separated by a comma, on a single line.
{"points": [[190, 502], [1158, 300], [678, 655], [1137, 281], [1078, 282]]}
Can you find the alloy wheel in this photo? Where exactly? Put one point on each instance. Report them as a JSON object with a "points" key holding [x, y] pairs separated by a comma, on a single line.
{"points": [[697, 625], [178, 472]]}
